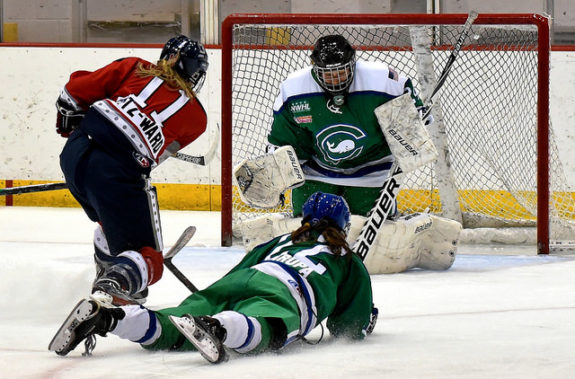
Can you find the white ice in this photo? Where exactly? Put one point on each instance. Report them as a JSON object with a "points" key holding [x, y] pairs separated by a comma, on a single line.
{"points": [[499, 312]]}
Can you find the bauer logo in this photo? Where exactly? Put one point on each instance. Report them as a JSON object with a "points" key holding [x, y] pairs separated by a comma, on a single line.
{"points": [[423, 227], [295, 165], [383, 209], [142, 161], [403, 142]]}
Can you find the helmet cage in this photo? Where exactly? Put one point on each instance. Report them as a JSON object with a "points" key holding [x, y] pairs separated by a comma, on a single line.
{"points": [[333, 61], [340, 76]]}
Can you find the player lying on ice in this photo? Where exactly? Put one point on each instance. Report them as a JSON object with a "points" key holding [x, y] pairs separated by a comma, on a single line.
{"points": [[278, 293], [332, 118], [120, 122]]}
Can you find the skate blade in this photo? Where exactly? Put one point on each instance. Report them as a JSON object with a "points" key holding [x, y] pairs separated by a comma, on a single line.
{"points": [[112, 299], [209, 348], [65, 335]]}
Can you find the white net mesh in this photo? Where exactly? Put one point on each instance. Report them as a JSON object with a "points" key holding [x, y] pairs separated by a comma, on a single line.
{"points": [[488, 105]]}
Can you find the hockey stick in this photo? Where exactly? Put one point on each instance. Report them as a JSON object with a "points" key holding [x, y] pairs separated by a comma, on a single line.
{"points": [[206, 158], [199, 160], [386, 204], [32, 188], [59, 186], [454, 53], [179, 245]]}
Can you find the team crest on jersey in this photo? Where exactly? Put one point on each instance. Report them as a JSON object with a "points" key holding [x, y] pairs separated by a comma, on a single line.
{"points": [[332, 107], [340, 142]]}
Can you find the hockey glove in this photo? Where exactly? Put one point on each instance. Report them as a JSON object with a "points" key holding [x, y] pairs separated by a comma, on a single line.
{"points": [[372, 320], [68, 118], [427, 120]]}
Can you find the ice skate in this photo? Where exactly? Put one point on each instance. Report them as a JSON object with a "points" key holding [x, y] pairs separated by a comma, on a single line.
{"points": [[119, 296], [86, 319], [205, 333]]}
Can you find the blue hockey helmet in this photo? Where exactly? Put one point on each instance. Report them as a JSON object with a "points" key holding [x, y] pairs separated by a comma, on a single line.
{"points": [[327, 206], [192, 64]]}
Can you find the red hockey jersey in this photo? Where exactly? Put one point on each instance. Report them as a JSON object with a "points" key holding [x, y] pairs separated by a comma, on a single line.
{"points": [[152, 115]]}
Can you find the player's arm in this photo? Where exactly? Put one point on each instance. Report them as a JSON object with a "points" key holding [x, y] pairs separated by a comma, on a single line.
{"points": [[262, 180], [256, 254], [69, 115], [285, 132], [353, 315], [86, 87]]}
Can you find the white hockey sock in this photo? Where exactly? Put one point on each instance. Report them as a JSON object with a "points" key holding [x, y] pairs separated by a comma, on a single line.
{"points": [[138, 325], [243, 333]]}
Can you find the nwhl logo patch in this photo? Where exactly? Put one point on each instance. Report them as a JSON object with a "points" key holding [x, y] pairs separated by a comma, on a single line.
{"points": [[300, 106], [340, 142]]}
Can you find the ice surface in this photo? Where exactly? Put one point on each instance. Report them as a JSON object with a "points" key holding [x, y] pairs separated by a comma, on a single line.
{"points": [[499, 312]]}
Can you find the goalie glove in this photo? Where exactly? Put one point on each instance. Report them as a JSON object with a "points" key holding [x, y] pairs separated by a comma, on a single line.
{"points": [[68, 118], [262, 181]]}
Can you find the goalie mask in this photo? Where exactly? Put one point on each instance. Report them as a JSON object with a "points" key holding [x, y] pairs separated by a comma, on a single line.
{"points": [[192, 63], [334, 65], [325, 206]]}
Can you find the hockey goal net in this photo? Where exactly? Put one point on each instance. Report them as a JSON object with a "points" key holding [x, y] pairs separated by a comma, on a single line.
{"points": [[499, 165]]}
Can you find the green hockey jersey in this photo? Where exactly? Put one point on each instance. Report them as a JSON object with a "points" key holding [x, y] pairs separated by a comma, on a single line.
{"points": [[324, 285], [339, 145]]}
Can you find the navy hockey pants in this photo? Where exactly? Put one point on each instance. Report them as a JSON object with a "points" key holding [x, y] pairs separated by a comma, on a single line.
{"points": [[113, 191]]}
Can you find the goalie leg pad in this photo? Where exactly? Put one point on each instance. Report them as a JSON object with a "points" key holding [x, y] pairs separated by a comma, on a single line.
{"points": [[262, 229], [415, 241], [395, 248], [439, 245]]}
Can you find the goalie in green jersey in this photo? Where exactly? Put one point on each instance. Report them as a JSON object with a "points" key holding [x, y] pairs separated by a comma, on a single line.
{"points": [[326, 113], [278, 293], [329, 130]]}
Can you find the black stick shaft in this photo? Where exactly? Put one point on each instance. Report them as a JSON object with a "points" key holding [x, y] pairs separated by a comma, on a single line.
{"points": [[32, 188], [178, 274]]}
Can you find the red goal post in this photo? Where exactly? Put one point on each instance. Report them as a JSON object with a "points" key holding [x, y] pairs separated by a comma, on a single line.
{"points": [[259, 50]]}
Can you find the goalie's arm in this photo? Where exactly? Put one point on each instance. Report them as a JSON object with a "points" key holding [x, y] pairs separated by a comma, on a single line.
{"points": [[284, 131]]}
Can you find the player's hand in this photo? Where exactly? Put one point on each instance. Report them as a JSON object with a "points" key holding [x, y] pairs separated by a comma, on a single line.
{"points": [[372, 320], [67, 119], [427, 120]]}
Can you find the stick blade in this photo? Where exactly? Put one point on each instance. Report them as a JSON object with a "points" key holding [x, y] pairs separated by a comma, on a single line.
{"points": [[182, 241]]}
